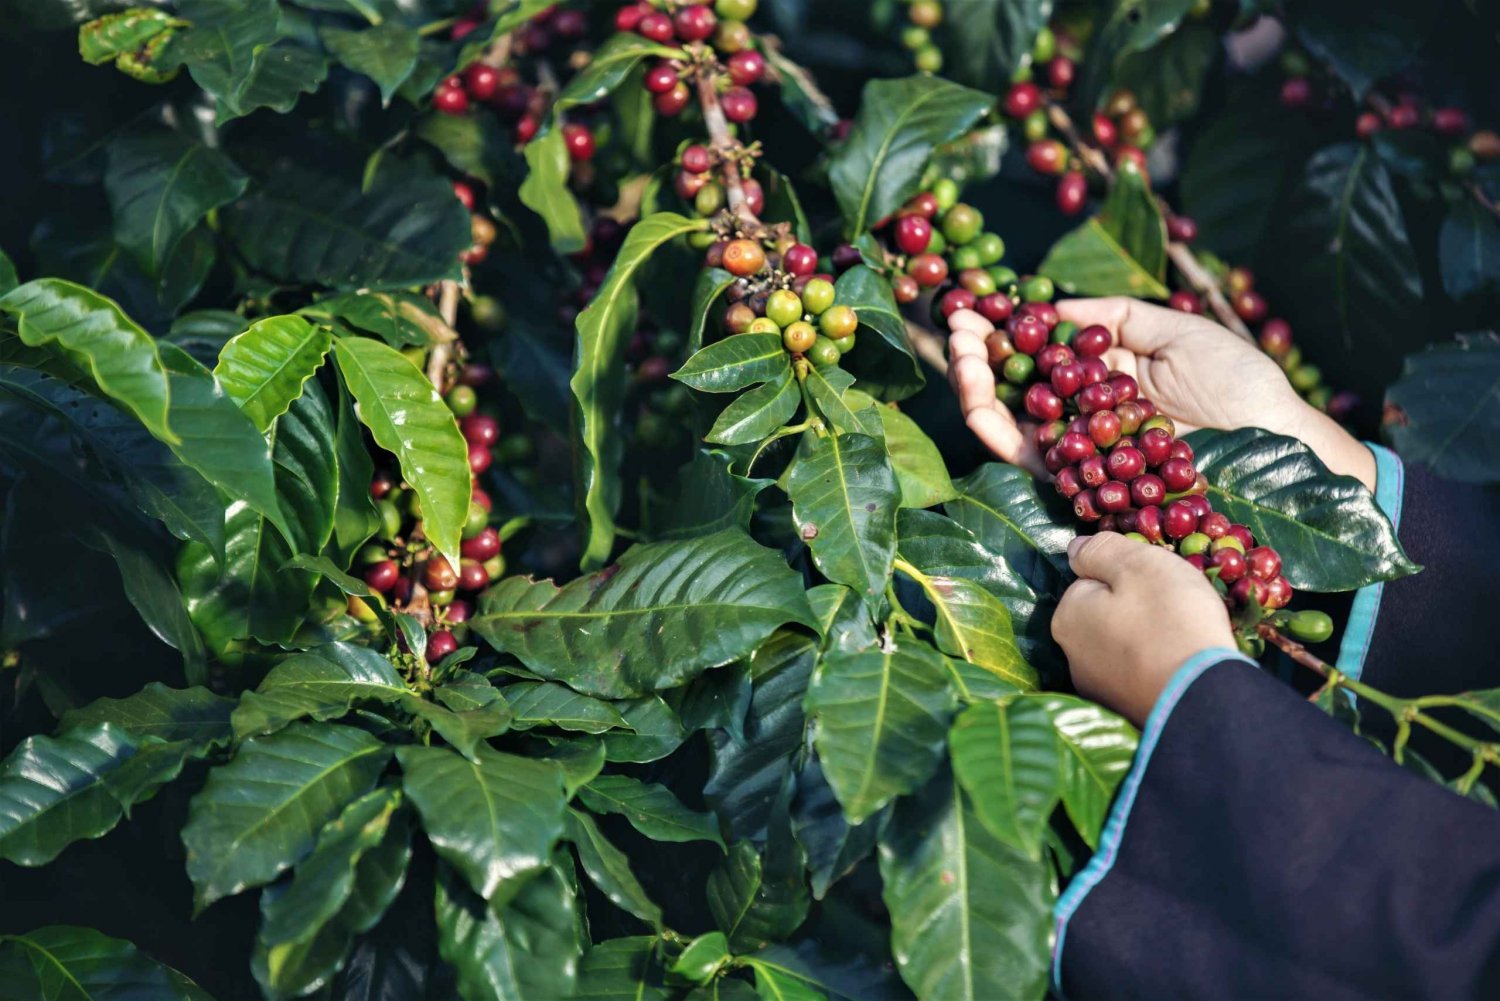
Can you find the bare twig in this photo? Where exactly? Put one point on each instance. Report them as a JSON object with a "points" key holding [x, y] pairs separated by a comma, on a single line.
{"points": [[442, 351], [726, 146]]}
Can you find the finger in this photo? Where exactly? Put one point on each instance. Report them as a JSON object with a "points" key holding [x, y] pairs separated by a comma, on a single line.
{"points": [[1077, 610], [1106, 557], [997, 430], [973, 380], [970, 322], [1138, 326]]}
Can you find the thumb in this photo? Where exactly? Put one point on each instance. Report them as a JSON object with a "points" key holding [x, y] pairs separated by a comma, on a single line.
{"points": [[1103, 557]]}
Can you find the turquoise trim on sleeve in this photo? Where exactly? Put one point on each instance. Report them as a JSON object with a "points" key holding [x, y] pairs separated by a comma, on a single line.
{"points": [[1390, 481], [1114, 828]]}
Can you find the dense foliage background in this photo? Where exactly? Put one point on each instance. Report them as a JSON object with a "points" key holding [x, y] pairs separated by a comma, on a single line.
{"points": [[743, 684]]}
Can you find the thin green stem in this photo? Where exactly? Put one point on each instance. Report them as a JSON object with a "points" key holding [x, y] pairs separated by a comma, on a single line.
{"points": [[435, 27]]}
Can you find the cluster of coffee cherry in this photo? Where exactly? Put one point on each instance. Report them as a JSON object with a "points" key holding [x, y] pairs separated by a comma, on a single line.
{"points": [[519, 103], [922, 16], [1121, 130], [696, 185], [1118, 460], [780, 291], [481, 227], [699, 26]]}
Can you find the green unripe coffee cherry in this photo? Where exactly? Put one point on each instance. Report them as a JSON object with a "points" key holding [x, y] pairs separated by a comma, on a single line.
{"points": [[1008, 394], [929, 59], [1064, 331], [1004, 277], [373, 553], [495, 567], [417, 356], [937, 245], [1144, 138], [799, 336], [1310, 626], [1460, 161], [441, 598], [702, 239], [962, 223], [1018, 368], [1194, 545], [945, 191], [817, 295], [1137, 537], [710, 199], [990, 247], [1160, 421], [763, 325], [487, 313], [461, 400], [1319, 397], [1291, 360], [824, 352], [360, 610], [1306, 377], [1045, 46], [477, 521], [1250, 646], [914, 37], [845, 344], [1227, 542], [784, 306], [1037, 288], [838, 321], [1295, 63], [1035, 126], [390, 519], [1021, 74], [965, 258], [411, 504], [514, 449], [735, 10]]}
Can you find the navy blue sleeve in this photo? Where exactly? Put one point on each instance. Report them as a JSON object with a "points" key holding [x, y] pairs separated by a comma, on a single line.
{"points": [[1260, 849]]}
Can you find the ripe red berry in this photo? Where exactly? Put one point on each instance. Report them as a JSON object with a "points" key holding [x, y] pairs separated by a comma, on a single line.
{"points": [[1047, 157], [1450, 122], [1051, 356], [1112, 497], [439, 574], [1050, 433], [955, 299], [1126, 463], [1085, 507], [1100, 396], [472, 576], [1092, 341], [382, 576], [1182, 229], [694, 23], [1250, 305], [1093, 471], [481, 80], [1125, 387], [1060, 73], [1200, 505], [1131, 415], [1104, 429], [480, 458], [1214, 525], [1230, 564], [1105, 130], [1240, 532], [1278, 593], [1241, 591], [928, 269], [1148, 520], [995, 307], [1027, 333], [1179, 520], [1022, 99], [1094, 370], [1295, 92], [570, 24], [1042, 403], [480, 429], [484, 546], [381, 485], [450, 100], [1181, 450], [1132, 155], [739, 104], [439, 645], [1067, 380], [907, 291], [800, 259], [661, 78], [1186, 302], [1068, 484], [1276, 337], [1072, 192], [1403, 116], [1044, 311], [1367, 124], [913, 234], [1147, 491], [1264, 562], [923, 203], [655, 26], [1076, 446], [580, 142], [747, 67], [671, 102]]}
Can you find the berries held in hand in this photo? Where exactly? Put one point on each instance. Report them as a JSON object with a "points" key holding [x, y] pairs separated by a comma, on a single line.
{"points": [[1278, 593], [1185, 302], [1177, 474], [1126, 463], [996, 307], [1230, 563], [1100, 396], [1042, 403], [1147, 491], [907, 291], [1264, 563], [1179, 520], [1112, 497], [1242, 590], [1086, 507], [1092, 341]]}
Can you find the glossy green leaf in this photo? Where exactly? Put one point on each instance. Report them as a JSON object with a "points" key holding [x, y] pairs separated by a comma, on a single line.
{"points": [[355, 519], [223, 47], [1132, 217], [844, 499], [702, 958], [775, 983], [170, 714], [1123, 27], [710, 284], [264, 367], [526, 951], [1330, 532], [753, 416], [8, 279], [651, 809], [708, 497], [401, 319], [1097, 748], [735, 363], [104, 39], [899, 123], [547, 703], [468, 711], [759, 899], [622, 969], [1008, 759], [260, 814], [609, 869], [844, 618], [495, 819], [832, 845], [1089, 261], [320, 684], [1469, 250], [65, 962], [408, 418], [833, 400], [279, 75], [95, 334], [974, 625], [970, 916], [1169, 78], [986, 42], [654, 731], [302, 226], [599, 380], [1003, 507], [885, 364], [386, 53], [879, 722], [664, 614], [545, 191], [610, 64], [800, 93], [1449, 402], [160, 185], [920, 470], [53, 791]]}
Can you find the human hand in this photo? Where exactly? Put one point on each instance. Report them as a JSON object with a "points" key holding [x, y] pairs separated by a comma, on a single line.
{"points": [[1194, 370], [1134, 615]]}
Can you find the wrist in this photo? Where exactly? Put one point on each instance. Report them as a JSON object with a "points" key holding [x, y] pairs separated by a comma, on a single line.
{"points": [[1340, 451]]}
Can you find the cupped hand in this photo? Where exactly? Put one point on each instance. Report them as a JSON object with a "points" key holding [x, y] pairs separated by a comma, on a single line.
{"points": [[1134, 615]]}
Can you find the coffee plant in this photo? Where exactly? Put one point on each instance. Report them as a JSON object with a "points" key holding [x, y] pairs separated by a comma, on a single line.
{"points": [[479, 519]]}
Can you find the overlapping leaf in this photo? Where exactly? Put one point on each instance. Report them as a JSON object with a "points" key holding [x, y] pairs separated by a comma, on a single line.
{"points": [[53, 791], [263, 367], [1449, 400], [64, 961], [651, 809], [844, 499]]}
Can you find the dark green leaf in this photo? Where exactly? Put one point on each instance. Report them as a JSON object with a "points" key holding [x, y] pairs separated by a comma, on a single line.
{"points": [[355, 519], [261, 813], [1131, 216], [756, 898], [170, 714], [279, 76], [970, 916], [598, 383], [611, 63], [1168, 78], [844, 500], [468, 711], [1449, 402], [986, 42], [1364, 45], [160, 185], [302, 226], [709, 498], [622, 969], [1007, 758], [386, 53], [495, 819], [1001, 505], [321, 684], [1097, 748], [53, 791], [753, 416], [651, 809], [920, 470], [800, 93], [885, 365], [546, 703], [702, 958], [1331, 534], [833, 846], [61, 961], [879, 721], [1089, 261], [407, 417], [545, 191], [401, 319], [264, 367], [476, 145], [710, 284], [664, 614], [735, 362], [8, 278], [609, 869], [654, 731], [223, 47], [1125, 26], [1469, 250], [899, 123]]}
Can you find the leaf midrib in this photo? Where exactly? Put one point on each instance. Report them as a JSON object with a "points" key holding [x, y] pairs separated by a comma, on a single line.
{"points": [[883, 151]]}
